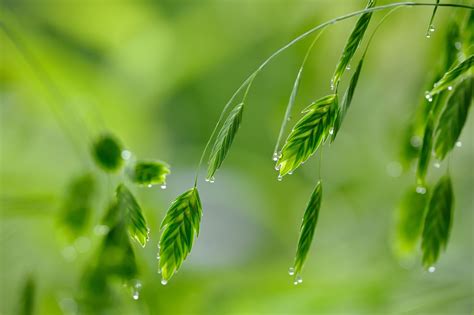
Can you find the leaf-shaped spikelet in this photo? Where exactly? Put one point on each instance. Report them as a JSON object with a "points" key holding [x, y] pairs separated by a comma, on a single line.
{"points": [[352, 43], [453, 118], [180, 227], [437, 221], [450, 77], [130, 212], [107, 153], [148, 172], [308, 226], [308, 133], [224, 139]]}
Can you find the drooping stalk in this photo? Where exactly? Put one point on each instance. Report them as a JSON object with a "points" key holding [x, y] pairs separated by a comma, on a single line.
{"points": [[249, 79]]}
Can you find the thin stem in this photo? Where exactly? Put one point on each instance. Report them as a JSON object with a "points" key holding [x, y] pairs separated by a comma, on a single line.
{"points": [[48, 83], [430, 25], [291, 101], [303, 36]]}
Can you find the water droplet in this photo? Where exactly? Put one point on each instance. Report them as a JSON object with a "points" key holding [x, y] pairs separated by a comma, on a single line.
{"points": [[290, 173], [437, 164], [275, 156], [291, 271], [295, 282], [450, 88], [458, 144], [415, 141], [101, 229], [159, 270], [428, 96], [432, 28], [421, 190], [277, 167], [348, 67], [126, 154], [458, 45], [428, 35], [299, 279], [136, 295], [331, 131], [280, 178], [211, 180], [158, 256], [289, 118], [332, 84], [163, 186], [164, 281], [432, 269], [149, 185]]}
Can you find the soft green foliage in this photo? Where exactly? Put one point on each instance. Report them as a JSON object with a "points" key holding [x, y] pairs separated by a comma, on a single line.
{"points": [[148, 172], [347, 99], [453, 118], [308, 133], [308, 226], [224, 139], [107, 153], [27, 297], [450, 77], [130, 213], [410, 217], [180, 227], [352, 44], [425, 153], [78, 203], [438, 221]]}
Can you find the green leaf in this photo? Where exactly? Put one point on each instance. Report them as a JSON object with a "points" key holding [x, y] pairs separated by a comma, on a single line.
{"points": [[148, 172], [27, 301], [180, 227], [77, 206], [308, 134], [453, 118], [347, 99], [425, 153], [107, 153], [450, 77], [352, 44], [224, 139], [438, 221], [131, 214], [411, 213], [308, 226]]}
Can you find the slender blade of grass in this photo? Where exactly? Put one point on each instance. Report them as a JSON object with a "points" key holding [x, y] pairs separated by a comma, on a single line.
{"points": [[450, 77]]}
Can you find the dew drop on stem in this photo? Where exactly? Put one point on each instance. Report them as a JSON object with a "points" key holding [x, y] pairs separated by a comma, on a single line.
{"points": [[164, 281], [421, 190], [149, 185], [275, 156], [458, 144], [432, 269], [291, 271], [163, 186], [280, 178], [299, 279]]}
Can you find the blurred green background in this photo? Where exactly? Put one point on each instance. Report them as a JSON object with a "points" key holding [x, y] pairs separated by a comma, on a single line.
{"points": [[156, 74]]}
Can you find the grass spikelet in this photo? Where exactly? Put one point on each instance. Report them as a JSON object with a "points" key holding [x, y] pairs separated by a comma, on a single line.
{"points": [[450, 77]]}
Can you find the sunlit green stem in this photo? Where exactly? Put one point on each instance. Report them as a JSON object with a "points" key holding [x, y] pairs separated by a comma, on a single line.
{"points": [[303, 36]]}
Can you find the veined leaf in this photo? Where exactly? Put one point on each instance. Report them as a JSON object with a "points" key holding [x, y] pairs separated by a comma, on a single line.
{"points": [[347, 99], [180, 227], [308, 133], [77, 206], [352, 44], [438, 221], [27, 301], [224, 139], [450, 77], [411, 214], [148, 172], [425, 153], [453, 118], [107, 153], [131, 214], [308, 226]]}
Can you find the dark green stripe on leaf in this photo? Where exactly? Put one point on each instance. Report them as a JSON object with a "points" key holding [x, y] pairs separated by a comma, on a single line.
{"points": [[352, 44], [453, 118], [107, 153], [148, 172], [450, 77], [308, 227], [180, 227], [224, 139], [27, 297], [132, 215], [425, 153], [308, 133], [347, 99], [411, 214], [438, 221]]}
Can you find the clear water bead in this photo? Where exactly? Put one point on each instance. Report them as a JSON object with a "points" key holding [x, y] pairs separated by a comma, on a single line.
{"points": [[291, 271], [331, 131], [211, 180], [458, 144], [299, 279], [149, 185], [275, 156], [126, 154], [450, 88], [348, 67], [163, 186], [421, 190], [432, 28], [164, 281], [280, 178], [135, 295], [432, 269]]}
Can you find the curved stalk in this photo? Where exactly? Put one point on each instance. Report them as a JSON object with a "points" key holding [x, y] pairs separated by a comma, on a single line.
{"points": [[303, 36]]}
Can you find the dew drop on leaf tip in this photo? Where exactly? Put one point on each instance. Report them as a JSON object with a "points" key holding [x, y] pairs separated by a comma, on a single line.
{"points": [[163, 186], [450, 88], [437, 164], [432, 269], [149, 185], [280, 178], [458, 144], [421, 190], [164, 281], [291, 271], [348, 67]]}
